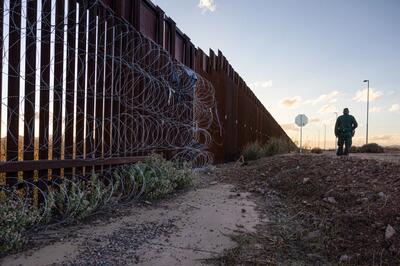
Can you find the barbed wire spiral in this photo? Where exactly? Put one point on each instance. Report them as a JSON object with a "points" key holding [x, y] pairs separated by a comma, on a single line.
{"points": [[90, 86]]}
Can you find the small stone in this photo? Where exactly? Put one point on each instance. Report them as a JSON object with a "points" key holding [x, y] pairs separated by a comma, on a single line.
{"points": [[147, 202], [213, 183], [330, 200], [260, 190], [390, 232], [314, 256], [305, 180], [313, 235], [344, 258], [381, 195]]}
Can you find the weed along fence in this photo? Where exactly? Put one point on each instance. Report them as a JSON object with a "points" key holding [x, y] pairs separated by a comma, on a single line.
{"points": [[87, 86]]}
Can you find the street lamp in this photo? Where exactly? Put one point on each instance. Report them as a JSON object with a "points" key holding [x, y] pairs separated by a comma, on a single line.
{"points": [[325, 137], [366, 141], [336, 138]]}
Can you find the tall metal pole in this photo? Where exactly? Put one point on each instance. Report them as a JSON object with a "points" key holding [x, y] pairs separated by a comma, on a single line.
{"points": [[325, 138], [336, 138], [301, 133], [367, 112], [319, 139]]}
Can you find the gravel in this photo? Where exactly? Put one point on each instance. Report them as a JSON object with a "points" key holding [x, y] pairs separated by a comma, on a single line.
{"points": [[120, 247]]}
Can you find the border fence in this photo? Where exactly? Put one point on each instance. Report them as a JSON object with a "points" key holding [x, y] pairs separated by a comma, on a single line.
{"points": [[87, 85]]}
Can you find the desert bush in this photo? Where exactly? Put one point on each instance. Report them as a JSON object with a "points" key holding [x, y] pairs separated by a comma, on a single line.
{"points": [[15, 218], [253, 151], [316, 150], [371, 148], [354, 149], [276, 146], [160, 177], [76, 199], [273, 146]]}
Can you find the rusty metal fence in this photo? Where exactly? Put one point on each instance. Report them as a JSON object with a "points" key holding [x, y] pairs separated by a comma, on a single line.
{"points": [[87, 85], [83, 91]]}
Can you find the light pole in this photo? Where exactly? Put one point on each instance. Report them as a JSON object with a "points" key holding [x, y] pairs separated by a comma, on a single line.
{"points": [[366, 141], [325, 137], [336, 115]]}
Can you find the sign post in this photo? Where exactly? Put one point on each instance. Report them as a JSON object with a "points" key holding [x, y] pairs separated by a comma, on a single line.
{"points": [[301, 120]]}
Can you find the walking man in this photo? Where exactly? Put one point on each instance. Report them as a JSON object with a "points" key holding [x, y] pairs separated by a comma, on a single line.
{"points": [[344, 130]]}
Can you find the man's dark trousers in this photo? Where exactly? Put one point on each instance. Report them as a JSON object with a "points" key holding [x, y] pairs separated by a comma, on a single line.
{"points": [[347, 142]]}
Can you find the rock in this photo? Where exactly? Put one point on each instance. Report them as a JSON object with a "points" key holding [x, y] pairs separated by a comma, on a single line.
{"points": [[381, 195], [313, 235], [363, 199], [314, 256], [389, 232], [243, 210], [344, 258], [260, 190], [213, 183], [330, 200], [305, 180]]}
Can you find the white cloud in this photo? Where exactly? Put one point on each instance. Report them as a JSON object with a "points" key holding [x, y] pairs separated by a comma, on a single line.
{"points": [[261, 84], [395, 108], [207, 5], [386, 139], [314, 120], [375, 109], [327, 108], [290, 103], [331, 97], [289, 127], [383, 137], [361, 95]]}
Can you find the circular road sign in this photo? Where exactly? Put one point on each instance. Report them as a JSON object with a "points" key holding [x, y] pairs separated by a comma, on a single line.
{"points": [[301, 120]]}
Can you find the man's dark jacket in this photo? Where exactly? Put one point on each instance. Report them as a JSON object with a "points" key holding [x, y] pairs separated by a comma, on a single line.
{"points": [[345, 126]]}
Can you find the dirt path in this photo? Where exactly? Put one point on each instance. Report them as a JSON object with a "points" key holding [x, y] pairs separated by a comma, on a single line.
{"points": [[179, 231]]}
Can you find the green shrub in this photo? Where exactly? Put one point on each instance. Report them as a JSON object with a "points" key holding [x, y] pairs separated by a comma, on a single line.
{"points": [[253, 151], [316, 150], [160, 177], [354, 149], [15, 218], [276, 146], [371, 148], [273, 146], [75, 199]]}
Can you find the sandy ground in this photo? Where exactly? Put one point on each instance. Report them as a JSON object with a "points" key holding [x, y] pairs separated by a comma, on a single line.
{"points": [[388, 157], [393, 157], [180, 231]]}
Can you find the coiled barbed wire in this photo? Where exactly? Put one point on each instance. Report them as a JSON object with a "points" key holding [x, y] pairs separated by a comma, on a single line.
{"points": [[101, 89], [162, 104]]}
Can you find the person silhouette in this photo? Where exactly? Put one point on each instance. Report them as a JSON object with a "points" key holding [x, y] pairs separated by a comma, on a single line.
{"points": [[344, 130]]}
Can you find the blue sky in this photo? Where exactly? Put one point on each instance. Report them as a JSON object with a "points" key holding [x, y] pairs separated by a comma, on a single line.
{"points": [[307, 56]]}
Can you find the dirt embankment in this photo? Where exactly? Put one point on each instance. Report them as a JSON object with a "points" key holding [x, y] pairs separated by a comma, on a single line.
{"points": [[324, 210]]}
